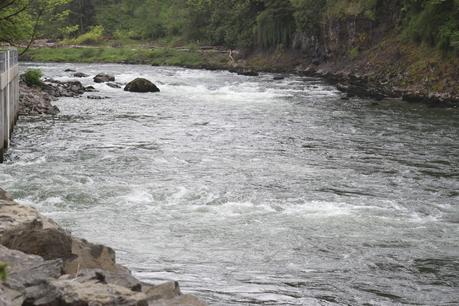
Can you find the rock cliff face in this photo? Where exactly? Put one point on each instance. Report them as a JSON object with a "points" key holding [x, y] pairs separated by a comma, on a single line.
{"points": [[47, 266], [366, 56]]}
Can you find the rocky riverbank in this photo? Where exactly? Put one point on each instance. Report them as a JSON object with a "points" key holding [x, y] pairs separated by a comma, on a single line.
{"points": [[48, 266], [37, 100], [376, 73]]}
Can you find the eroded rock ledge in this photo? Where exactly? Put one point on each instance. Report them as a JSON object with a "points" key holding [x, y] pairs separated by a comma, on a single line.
{"points": [[47, 266]]}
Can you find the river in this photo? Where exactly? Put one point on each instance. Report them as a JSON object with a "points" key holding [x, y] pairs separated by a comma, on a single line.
{"points": [[249, 190]]}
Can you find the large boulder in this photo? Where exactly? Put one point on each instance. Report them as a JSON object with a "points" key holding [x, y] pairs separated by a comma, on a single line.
{"points": [[103, 77], [141, 85]]}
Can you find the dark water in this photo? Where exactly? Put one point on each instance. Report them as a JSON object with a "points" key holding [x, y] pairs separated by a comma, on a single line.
{"points": [[253, 191]]}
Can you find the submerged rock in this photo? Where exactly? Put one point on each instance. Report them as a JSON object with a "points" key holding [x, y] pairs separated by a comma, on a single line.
{"points": [[103, 78], [244, 71], [93, 97], [69, 70], [113, 85], [80, 75], [90, 89], [141, 85]]}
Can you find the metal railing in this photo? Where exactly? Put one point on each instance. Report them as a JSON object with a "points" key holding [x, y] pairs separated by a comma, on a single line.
{"points": [[9, 96]]}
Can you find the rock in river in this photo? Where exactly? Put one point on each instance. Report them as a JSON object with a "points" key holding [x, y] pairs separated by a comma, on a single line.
{"points": [[141, 85], [113, 85], [80, 75], [103, 77]]}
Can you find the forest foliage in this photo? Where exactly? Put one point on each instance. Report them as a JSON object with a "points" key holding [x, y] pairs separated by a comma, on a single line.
{"points": [[231, 23]]}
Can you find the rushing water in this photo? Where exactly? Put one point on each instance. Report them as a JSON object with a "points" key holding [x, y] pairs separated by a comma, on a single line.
{"points": [[252, 191]]}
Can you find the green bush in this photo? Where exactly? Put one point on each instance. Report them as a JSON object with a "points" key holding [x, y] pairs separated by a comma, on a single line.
{"points": [[91, 37], [3, 272], [32, 77]]}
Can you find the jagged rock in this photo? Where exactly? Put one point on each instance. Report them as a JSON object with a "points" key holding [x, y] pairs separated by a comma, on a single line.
{"points": [[80, 75], [23, 228], [63, 89], [166, 291], [122, 277], [141, 85], [33, 101], [364, 91], [92, 97], [24, 269], [74, 292], [10, 297], [49, 243], [113, 85], [103, 77], [90, 256]]}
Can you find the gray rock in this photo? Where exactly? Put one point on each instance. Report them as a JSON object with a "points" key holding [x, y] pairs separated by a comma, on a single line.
{"points": [[113, 85], [25, 270], [34, 101], [90, 89], [23, 228], [80, 75], [166, 291], [122, 277], [82, 292], [103, 77], [141, 85], [63, 89]]}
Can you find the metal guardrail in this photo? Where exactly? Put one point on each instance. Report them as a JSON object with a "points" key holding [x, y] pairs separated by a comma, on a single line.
{"points": [[9, 96]]}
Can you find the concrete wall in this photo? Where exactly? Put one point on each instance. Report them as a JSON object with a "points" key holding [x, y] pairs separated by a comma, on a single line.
{"points": [[9, 96]]}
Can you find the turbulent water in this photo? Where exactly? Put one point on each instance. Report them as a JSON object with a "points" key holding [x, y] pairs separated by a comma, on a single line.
{"points": [[252, 191]]}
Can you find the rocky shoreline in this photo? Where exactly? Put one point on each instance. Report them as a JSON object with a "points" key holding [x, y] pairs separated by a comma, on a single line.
{"points": [[47, 266], [352, 84], [356, 85]]}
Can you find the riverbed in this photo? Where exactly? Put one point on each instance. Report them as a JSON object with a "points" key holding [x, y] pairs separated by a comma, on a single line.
{"points": [[250, 190]]}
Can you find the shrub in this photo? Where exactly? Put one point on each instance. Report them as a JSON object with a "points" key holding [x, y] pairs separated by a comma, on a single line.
{"points": [[3, 271], [91, 37], [32, 77]]}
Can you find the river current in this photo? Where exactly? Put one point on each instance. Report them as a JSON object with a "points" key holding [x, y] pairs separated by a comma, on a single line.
{"points": [[249, 190]]}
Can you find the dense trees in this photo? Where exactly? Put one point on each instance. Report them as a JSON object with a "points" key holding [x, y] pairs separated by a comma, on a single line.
{"points": [[22, 20], [233, 23]]}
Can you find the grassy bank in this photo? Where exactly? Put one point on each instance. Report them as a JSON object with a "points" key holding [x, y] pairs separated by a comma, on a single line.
{"points": [[187, 57]]}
